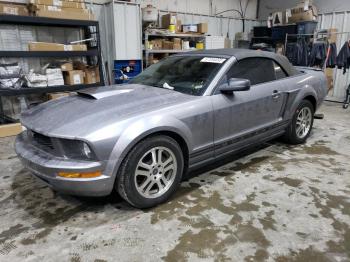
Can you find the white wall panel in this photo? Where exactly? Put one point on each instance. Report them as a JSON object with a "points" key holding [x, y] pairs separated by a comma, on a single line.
{"points": [[323, 6], [205, 7], [127, 30], [340, 21], [219, 26]]}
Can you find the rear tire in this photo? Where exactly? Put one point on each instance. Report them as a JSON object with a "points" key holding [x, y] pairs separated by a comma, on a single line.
{"points": [[151, 172], [300, 128]]}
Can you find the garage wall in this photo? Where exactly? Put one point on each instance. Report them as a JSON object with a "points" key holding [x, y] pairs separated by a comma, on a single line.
{"points": [[341, 21], [117, 44], [123, 41], [324, 6], [205, 7], [332, 14]]}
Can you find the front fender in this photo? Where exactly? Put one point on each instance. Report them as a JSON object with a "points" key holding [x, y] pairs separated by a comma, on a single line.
{"points": [[140, 129]]}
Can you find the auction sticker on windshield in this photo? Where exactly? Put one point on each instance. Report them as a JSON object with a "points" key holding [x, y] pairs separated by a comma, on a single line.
{"points": [[215, 60]]}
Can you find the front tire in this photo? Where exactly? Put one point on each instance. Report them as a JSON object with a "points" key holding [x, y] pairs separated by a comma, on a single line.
{"points": [[151, 172], [300, 128]]}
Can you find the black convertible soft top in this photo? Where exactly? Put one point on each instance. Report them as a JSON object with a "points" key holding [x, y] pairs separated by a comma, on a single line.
{"points": [[240, 54]]}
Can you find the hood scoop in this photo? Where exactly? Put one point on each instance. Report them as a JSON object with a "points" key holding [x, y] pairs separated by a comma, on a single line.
{"points": [[99, 94]]}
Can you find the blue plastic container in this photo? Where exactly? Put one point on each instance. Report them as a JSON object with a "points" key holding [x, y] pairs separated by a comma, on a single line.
{"points": [[129, 68], [307, 27]]}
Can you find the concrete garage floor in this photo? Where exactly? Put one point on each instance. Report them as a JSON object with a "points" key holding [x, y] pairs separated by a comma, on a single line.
{"points": [[277, 203]]}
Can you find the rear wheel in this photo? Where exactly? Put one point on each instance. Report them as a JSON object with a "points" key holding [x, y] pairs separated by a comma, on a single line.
{"points": [[300, 128], [151, 172]]}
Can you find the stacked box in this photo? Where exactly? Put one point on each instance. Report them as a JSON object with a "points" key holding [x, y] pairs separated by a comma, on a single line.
{"points": [[54, 77], [64, 9], [74, 77], [13, 9], [43, 46], [92, 75]]}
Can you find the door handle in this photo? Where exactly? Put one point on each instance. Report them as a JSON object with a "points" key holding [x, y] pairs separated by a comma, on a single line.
{"points": [[276, 94]]}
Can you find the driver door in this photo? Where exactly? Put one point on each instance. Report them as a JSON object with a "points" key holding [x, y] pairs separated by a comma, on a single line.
{"points": [[246, 116]]}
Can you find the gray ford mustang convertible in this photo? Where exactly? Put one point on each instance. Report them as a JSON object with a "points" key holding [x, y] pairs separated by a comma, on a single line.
{"points": [[179, 114]]}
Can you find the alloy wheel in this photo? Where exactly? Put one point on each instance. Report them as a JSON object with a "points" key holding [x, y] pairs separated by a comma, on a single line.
{"points": [[303, 123], [155, 172]]}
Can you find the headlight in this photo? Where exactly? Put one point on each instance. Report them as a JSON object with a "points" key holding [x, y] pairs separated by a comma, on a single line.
{"points": [[86, 150], [76, 149]]}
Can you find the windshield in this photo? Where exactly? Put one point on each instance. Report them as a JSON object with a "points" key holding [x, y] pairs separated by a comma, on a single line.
{"points": [[185, 74]]}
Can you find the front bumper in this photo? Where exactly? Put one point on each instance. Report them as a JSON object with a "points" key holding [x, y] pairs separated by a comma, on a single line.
{"points": [[46, 167]]}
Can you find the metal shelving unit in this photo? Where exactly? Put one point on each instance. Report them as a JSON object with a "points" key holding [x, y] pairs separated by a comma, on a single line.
{"points": [[41, 54], [163, 51], [148, 35], [93, 54]]}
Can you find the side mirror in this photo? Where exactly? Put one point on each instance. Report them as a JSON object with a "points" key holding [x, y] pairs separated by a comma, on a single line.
{"points": [[235, 85]]}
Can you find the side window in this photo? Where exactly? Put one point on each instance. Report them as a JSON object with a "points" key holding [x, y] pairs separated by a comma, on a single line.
{"points": [[280, 73], [257, 70]]}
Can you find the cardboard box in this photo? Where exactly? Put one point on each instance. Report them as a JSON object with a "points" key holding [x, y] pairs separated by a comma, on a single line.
{"points": [[60, 3], [202, 28], [157, 44], [13, 9], [64, 13], [75, 47], [189, 28], [177, 47], [67, 67], [303, 13], [167, 45], [75, 77], [168, 19], [329, 72], [177, 43], [57, 95], [43, 46], [177, 40], [91, 75], [10, 129], [61, 9]]}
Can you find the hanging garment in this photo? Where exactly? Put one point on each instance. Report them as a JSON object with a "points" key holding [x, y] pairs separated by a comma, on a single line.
{"points": [[332, 56], [297, 53], [318, 54], [343, 58], [303, 54]]}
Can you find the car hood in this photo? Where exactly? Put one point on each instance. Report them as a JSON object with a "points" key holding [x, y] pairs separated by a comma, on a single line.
{"points": [[92, 109]]}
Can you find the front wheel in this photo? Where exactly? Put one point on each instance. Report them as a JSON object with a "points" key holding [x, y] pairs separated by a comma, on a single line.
{"points": [[151, 172], [300, 128]]}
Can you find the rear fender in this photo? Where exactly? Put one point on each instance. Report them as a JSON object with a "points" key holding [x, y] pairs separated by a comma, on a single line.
{"points": [[294, 98]]}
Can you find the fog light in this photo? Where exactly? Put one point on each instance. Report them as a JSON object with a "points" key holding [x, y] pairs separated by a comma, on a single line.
{"points": [[80, 175]]}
